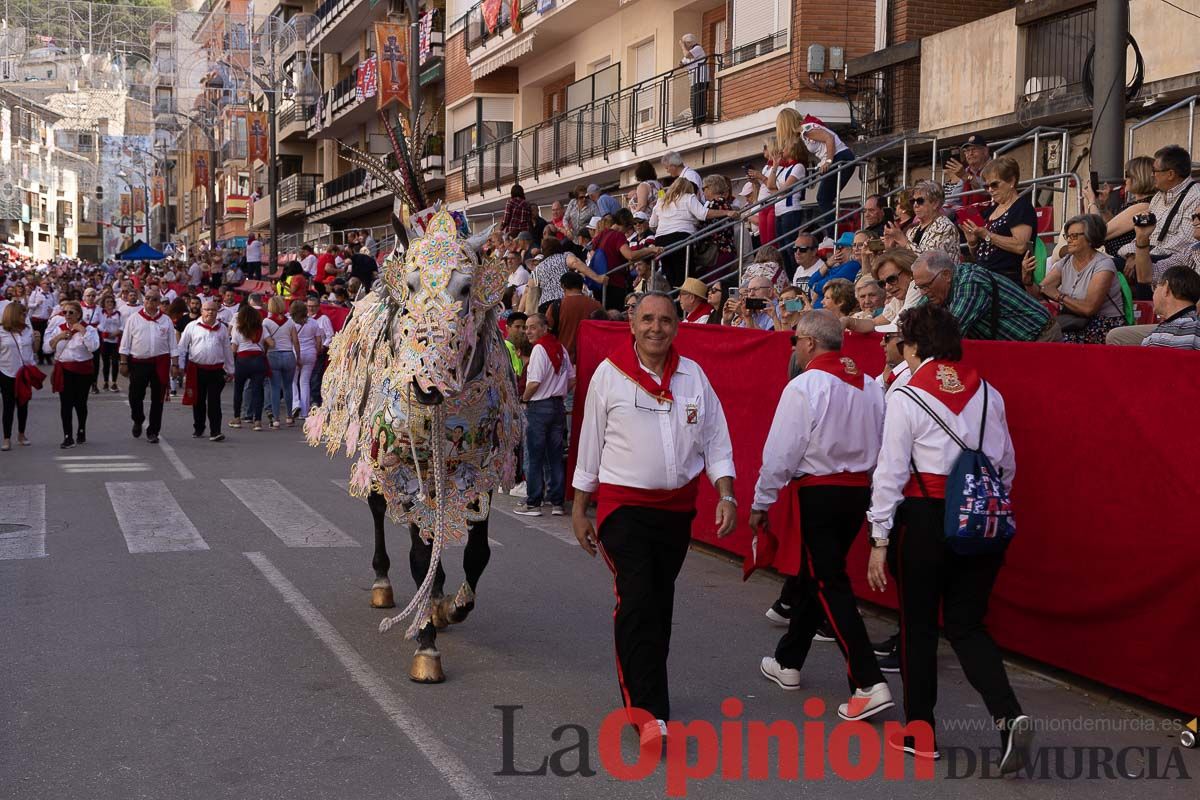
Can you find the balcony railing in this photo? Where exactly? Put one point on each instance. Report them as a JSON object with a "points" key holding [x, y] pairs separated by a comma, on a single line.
{"points": [[342, 96], [233, 151], [164, 105], [1056, 50], [764, 46], [353, 186], [328, 13], [888, 97], [477, 32], [298, 188], [647, 111]]}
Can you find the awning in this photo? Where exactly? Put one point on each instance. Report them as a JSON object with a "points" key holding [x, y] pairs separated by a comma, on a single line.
{"points": [[511, 53]]}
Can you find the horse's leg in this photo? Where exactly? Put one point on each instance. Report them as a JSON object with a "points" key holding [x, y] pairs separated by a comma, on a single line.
{"points": [[381, 590], [475, 559], [427, 661]]}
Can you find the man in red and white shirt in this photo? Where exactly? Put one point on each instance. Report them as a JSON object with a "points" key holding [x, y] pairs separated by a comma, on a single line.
{"points": [[206, 357], [652, 423], [148, 347], [823, 444], [548, 379]]}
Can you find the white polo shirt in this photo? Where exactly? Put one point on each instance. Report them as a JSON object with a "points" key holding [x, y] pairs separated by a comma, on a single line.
{"points": [[541, 372]]}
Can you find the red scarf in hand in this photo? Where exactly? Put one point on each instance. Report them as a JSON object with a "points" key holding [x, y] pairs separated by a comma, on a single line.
{"points": [[554, 350], [625, 359], [839, 366], [950, 382], [699, 311]]}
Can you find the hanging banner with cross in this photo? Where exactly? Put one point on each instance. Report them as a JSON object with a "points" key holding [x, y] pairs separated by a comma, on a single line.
{"points": [[257, 146], [199, 170], [159, 182], [391, 44]]}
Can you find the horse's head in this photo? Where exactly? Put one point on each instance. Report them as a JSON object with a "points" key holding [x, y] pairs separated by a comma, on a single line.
{"points": [[447, 297]]}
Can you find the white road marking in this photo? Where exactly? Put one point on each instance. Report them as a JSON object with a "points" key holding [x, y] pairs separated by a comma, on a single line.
{"points": [[345, 486], [176, 462], [443, 759], [73, 469], [23, 506], [150, 519], [288, 517], [90, 458]]}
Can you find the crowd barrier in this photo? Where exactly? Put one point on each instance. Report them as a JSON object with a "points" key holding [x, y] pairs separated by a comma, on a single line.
{"points": [[1101, 577]]}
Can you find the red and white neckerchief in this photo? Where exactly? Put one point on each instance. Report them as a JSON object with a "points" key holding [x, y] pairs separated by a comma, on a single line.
{"points": [[839, 366], [952, 383], [142, 313]]}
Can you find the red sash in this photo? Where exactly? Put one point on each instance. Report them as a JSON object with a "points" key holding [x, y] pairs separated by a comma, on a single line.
{"points": [[554, 350], [926, 484], [698, 312], [162, 367], [28, 379], [950, 382], [192, 377], [57, 380], [625, 359], [610, 497], [839, 366]]}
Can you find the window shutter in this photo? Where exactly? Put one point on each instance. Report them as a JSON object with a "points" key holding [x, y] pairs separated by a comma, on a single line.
{"points": [[757, 19], [498, 109]]}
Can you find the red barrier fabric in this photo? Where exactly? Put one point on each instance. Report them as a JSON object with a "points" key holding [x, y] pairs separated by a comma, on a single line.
{"points": [[1105, 480]]}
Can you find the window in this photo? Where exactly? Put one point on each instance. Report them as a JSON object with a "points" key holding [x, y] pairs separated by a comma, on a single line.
{"points": [[759, 27], [496, 114], [644, 66]]}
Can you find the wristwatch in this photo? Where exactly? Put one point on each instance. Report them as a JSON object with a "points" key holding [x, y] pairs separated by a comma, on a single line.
{"points": [[879, 542], [728, 498]]}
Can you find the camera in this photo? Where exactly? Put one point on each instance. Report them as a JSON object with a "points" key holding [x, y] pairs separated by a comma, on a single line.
{"points": [[755, 303], [1144, 220]]}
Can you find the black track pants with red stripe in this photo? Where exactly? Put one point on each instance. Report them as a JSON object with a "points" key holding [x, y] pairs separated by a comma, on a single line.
{"points": [[831, 517], [645, 549]]}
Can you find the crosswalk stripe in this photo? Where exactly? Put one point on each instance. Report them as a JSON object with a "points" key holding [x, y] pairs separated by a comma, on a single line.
{"points": [[90, 458], [150, 519], [345, 485], [73, 469], [22, 522], [288, 517]]}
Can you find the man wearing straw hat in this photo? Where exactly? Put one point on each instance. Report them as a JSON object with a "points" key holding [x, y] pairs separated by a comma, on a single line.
{"points": [[693, 299]]}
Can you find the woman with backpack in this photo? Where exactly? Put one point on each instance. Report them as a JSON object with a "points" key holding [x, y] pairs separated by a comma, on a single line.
{"points": [[945, 442]]}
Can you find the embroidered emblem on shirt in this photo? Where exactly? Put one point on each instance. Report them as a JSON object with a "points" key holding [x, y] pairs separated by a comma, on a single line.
{"points": [[947, 378], [849, 365], [693, 414]]}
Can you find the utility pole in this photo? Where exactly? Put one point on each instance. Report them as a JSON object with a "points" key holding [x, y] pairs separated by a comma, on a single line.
{"points": [[1108, 91], [414, 73]]}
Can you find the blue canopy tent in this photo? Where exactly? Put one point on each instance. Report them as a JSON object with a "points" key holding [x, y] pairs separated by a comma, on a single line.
{"points": [[140, 252]]}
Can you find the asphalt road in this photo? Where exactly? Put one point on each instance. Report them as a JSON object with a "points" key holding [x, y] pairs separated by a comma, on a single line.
{"points": [[199, 628]]}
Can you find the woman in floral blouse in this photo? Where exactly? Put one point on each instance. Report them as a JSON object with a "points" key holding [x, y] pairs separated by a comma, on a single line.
{"points": [[931, 229], [716, 196]]}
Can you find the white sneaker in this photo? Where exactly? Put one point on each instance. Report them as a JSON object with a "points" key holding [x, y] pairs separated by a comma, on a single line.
{"points": [[866, 702], [518, 490], [788, 679], [527, 510], [653, 731], [557, 511]]}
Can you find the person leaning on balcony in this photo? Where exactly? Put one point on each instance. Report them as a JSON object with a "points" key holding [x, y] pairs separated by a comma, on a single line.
{"points": [[579, 211], [931, 228], [518, 214], [675, 218], [695, 60], [1083, 283]]}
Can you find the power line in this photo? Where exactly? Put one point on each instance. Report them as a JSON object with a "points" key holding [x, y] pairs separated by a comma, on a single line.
{"points": [[1184, 10]]}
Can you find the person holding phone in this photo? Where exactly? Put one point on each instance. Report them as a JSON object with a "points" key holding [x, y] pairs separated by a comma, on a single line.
{"points": [[1009, 222], [965, 169], [931, 228]]}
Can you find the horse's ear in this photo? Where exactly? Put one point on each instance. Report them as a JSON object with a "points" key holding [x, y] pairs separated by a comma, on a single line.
{"points": [[401, 233]]}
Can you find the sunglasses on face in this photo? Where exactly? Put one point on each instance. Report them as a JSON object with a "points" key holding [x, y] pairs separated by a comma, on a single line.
{"points": [[805, 248], [1196, 219], [918, 202], [994, 185], [888, 338], [890, 280]]}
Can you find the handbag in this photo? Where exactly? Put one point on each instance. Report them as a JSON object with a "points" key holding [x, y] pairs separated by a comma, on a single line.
{"points": [[1072, 323]]}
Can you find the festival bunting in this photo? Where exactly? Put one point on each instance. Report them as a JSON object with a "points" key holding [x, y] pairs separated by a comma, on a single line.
{"points": [[199, 170], [516, 15], [491, 14], [391, 44], [258, 147], [426, 29], [366, 79]]}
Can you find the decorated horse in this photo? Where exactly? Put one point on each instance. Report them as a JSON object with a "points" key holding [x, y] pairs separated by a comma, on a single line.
{"points": [[420, 392]]}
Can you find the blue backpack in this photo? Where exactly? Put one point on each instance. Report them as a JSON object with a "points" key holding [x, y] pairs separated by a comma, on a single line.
{"points": [[979, 515]]}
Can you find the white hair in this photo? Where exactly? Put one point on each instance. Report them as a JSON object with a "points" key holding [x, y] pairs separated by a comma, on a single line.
{"points": [[673, 159], [688, 38], [823, 326]]}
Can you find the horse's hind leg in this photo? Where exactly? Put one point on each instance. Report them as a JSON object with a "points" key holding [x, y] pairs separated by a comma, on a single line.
{"points": [[381, 590], [475, 559]]}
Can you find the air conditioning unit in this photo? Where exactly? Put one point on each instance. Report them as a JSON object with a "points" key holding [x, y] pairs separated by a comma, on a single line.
{"points": [[1052, 85]]}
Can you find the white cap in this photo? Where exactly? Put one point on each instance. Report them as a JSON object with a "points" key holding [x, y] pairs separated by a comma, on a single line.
{"points": [[747, 189]]}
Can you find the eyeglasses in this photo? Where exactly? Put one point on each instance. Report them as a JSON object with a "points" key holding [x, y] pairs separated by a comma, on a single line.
{"points": [[924, 287], [1073, 236], [1196, 219], [888, 338], [805, 248], [994, 185], [796, 338], [1158, 171], [918, 202], [890, 280]]}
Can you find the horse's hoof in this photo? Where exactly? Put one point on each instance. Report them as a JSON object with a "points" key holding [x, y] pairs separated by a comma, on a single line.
{"points": [[439, 612], [462, 605], [426, 667], [381, 597]]}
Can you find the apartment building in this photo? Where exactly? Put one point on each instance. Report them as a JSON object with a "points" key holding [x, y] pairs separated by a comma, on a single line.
{"points": [[344, 197], [39, 186], [580, 91]]}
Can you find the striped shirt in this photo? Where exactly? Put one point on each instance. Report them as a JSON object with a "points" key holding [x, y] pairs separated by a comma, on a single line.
{"points": [[1181, 331], [1020, 318]]}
